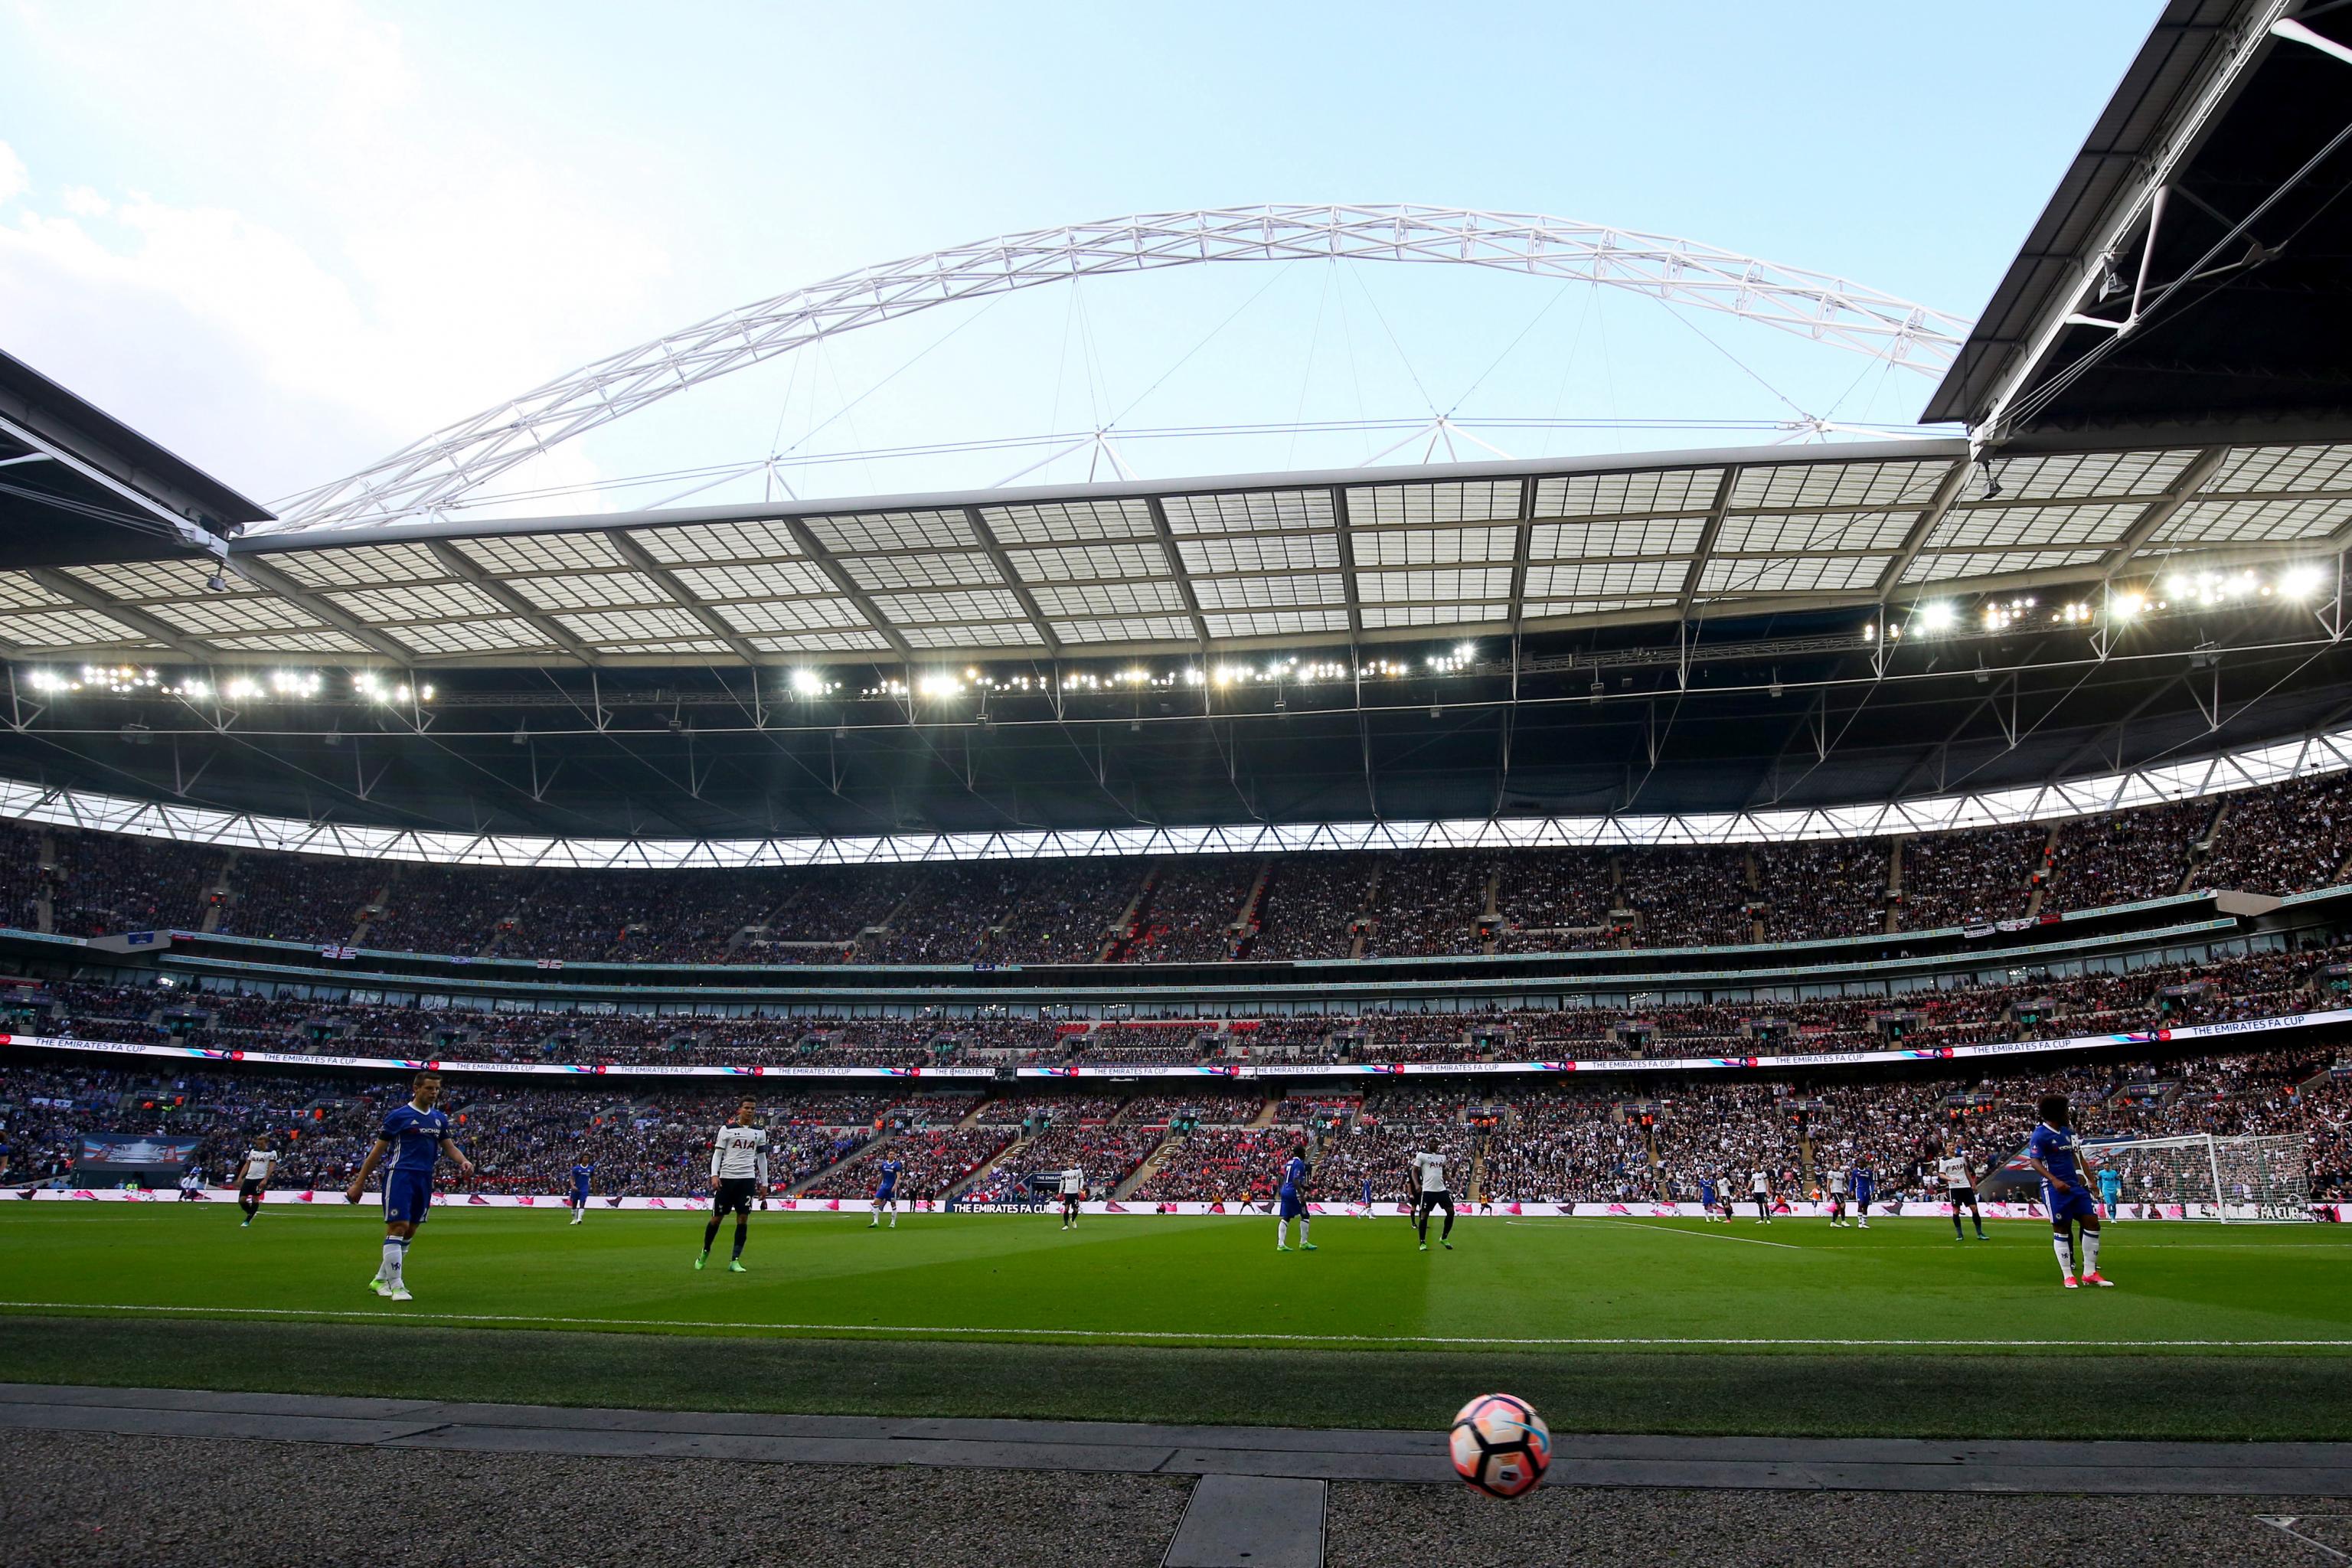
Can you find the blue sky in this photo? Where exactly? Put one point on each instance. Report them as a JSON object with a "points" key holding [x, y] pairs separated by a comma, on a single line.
{"points": [[288, 237]]}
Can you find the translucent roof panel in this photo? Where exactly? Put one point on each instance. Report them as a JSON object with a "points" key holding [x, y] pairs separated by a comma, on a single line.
{"points": [[1151, 629], [1473, 501], [756, 580], [1977, 527], [77, 628], [395, 607], [1111, 599], [1790, 574], [788, 615], [1276, 623], [2089, 475], [880, 532], [18, 591], [1782, 533], [360, 566], [948, 569], [719, 541], [980, 634], [977, 604], [1639, 491], [1059, 522], [1090, 563], [845, 641], [601, 590], [1434, 546], [483, 635], [1386, 616], [1284, 553], [1858, 484], [510, 554], [1606, 579], [1248, 512], [1606, 540], [1463, 583], [1929, 568], [639, 626], [1269, 592], [2288, 470], [2245, 522]]}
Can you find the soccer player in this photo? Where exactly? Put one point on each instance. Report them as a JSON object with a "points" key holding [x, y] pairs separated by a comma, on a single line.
{"points": [[1860, 1177], [1706, 1197], [2055, 1152], [1074, 1187], [739, 1172], [885, 1196], [416, 1135], [580, 1172], [1837, 1198], [253, 1174], [1759, 1187], [1293, 1203], [2111, 1188], [1959, 1189], [1428, 1176], [192, 1186]]}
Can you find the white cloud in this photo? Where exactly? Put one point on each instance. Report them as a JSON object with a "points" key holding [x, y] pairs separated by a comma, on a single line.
{"points": [[392, 265]]}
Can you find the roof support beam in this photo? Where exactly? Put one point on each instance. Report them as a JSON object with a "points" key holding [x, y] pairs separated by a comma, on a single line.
{"points": [[1939, 502], [126, 615], [1520, 550], [997, 557], [1348, 565], [470, 571], [254, 570], [838, 575], [636, 555], [1705, 546], [1166, 536]]}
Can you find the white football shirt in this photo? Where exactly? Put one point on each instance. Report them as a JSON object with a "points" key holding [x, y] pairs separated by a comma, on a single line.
{"points": [[739, 1153], [1431, 1170], [1073, 1182], [1953, 1169], [259, 1166], [1760, 1184], [1837, 1182]]}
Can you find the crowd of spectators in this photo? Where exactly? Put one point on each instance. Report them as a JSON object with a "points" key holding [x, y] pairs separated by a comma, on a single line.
{"points": [[2280, 839], [2248, 985], [1969, 878], [1312, 904], [2288, 838], [1190, 912], [2125, 856]]}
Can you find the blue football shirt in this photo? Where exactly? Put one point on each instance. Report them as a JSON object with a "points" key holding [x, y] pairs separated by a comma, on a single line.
{"points": [[889, 1173], [415, 1138], [580, 1174], [1294, 1175], [2055, 1147]]}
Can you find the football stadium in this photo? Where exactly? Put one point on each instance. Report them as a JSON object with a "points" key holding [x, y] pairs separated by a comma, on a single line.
{"points": [[1796, 976]]}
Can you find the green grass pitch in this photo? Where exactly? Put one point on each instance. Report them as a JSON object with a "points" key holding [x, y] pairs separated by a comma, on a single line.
{"points": [[1615, 1324]]}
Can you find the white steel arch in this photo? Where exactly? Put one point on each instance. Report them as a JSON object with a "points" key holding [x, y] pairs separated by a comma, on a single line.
{"points": [[446, 464]]}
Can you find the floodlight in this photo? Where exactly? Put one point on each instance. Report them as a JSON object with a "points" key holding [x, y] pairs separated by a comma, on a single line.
{"points": [[807, 683]]}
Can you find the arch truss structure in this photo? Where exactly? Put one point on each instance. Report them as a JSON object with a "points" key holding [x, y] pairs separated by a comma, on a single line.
{"points": [[434, 471], [2310, 756]]}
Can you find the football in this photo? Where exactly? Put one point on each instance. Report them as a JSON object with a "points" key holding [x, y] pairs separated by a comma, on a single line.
{"points": [[1500, 1445]]}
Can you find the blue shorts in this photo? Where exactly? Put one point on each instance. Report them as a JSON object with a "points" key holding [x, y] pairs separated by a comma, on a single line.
{"points": [[406, 1195], [579, 1197], [887, 1195], [2074, 1202], [1291, 1208]]}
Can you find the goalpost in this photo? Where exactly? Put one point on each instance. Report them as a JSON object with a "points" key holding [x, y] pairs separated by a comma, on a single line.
{"points": [[2234, 1179]]}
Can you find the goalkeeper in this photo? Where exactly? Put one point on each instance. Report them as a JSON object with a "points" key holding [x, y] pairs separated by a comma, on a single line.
{"points": [[2057, 1154]]}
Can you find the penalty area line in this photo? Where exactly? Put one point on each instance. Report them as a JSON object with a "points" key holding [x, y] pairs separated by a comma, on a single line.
{"points": [[392, 1316]]}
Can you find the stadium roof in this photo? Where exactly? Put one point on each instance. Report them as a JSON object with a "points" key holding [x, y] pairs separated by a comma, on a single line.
{"points": [[2187, 272], [76, 484], [1195, 567]]}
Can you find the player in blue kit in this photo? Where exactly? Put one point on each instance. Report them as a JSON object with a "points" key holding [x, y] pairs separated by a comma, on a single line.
{"points": [[2111, 1189], [581, 1174], [415, 1136], [1293, 1203], [2057, 1154], [885, 1196], [1863, 1187], [1707, 1196]]}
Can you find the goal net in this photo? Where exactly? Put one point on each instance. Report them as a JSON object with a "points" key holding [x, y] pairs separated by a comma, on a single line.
{"points": [[2231, 1179]]}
